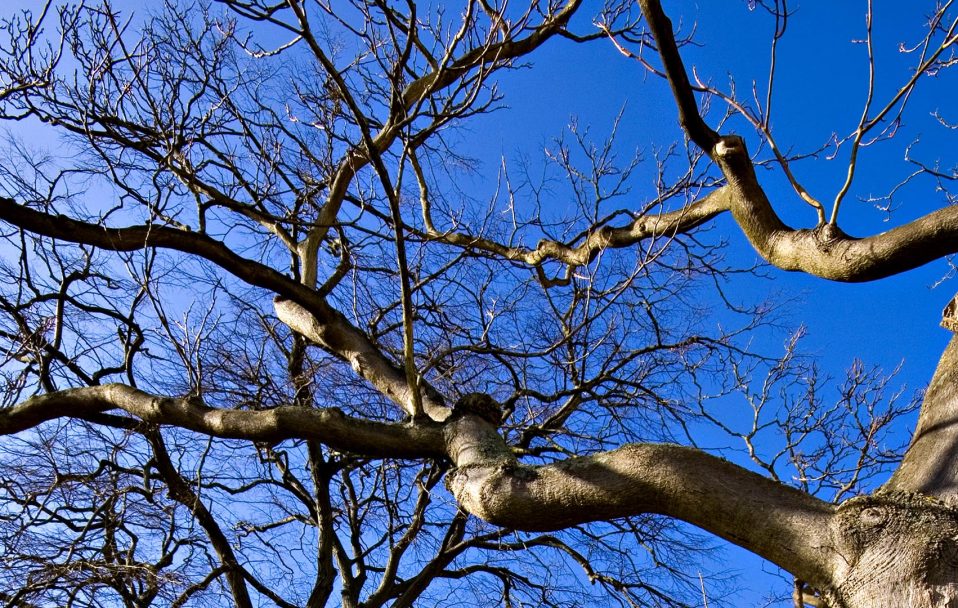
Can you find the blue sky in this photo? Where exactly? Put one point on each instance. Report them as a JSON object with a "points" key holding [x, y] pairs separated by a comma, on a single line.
{"points": [[820, 90]]}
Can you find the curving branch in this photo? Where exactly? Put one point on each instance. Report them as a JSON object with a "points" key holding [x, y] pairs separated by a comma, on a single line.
{"points": [[180, 490], [301, 307], [782, 524], [826, 251], [779, 523], [133, 238], [643, 227], [329, 426]]}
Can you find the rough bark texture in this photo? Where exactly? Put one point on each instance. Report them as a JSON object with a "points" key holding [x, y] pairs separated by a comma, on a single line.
{"points": [[890, 550], [898, 551], [931, 464]]}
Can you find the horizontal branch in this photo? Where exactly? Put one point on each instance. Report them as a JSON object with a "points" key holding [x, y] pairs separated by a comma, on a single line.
{"points": [[782, 524], [328, 426], [644, 227], [133, 238]]}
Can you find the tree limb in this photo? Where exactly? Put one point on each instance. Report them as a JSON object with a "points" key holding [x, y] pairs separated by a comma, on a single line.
{"points": [[329, 426], [363, 356], [782, 524], [328, 327], [779, 523], [181, 491], [689, 117], [826, 251]]}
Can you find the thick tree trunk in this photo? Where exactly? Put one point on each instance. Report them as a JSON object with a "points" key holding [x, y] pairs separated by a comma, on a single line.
{"points": [[931, 464], [900, 546], [898, 551]]}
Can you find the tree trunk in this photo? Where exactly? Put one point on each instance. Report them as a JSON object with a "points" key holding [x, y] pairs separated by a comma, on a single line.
{"points": [[899, 548], [898, 551]]}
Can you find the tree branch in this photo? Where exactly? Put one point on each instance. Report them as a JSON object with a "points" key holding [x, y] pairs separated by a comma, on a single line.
{"points": [[825, 251], [311, 312], [779, 523], [689, 117], [180, 491], [363, 356], [328, 426], [782, 524], [646, 226]]}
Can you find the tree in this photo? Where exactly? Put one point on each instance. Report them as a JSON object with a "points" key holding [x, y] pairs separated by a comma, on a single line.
{"points": [[253, 322]]}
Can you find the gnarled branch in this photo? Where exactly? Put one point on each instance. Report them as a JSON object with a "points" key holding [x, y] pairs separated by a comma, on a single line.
{"points": [[779, 523]]}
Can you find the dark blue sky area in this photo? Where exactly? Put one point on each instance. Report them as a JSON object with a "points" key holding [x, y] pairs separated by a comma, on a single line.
{"points": [[820, 89]]}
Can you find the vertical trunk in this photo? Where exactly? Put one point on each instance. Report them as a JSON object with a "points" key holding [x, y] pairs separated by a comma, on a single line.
{"points": [[900, 546], [931, 464]]}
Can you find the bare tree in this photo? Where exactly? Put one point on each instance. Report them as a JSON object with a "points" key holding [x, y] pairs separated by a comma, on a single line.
{"points": [[259, 344]]}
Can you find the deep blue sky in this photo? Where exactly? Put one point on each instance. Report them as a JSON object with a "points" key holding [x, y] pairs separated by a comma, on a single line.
{"points": [[820, 90]]}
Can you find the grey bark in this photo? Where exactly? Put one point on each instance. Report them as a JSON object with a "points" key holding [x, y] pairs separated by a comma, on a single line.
{"points": [[931, 464]]}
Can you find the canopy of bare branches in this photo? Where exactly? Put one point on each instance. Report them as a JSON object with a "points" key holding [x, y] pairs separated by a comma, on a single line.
{"points": [[264, 344]]}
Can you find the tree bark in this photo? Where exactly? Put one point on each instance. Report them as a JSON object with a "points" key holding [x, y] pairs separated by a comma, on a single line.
{"points": [[329, 426], [784, 525], [930, 465], [898, 551]]}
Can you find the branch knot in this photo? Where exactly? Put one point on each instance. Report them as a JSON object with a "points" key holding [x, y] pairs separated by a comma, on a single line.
{"points": [[481, 405], [949, 316]]}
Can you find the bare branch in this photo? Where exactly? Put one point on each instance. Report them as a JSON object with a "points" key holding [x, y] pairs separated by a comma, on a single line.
{"points": [[689, 117], [329, 426], [783, 525]]}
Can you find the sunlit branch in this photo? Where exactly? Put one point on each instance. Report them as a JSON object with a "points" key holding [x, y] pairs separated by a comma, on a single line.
{"points": [[328, 426], [783, 525]]}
